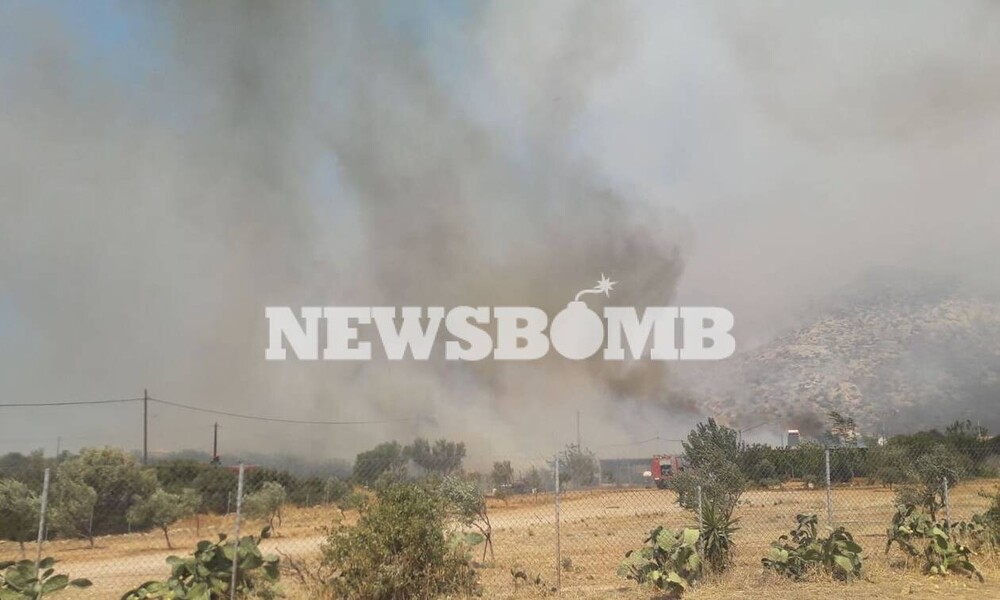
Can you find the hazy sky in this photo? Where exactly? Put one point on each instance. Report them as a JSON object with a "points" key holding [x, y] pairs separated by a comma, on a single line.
{"points": [[170, 169]]}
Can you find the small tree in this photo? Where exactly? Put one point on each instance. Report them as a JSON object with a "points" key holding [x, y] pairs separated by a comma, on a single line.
{"points": [[384, 458], [843, 431], [581, 466], [334, 489], [162, 509], [713, 453], [73, 502], [443, 458], [503, 474], [267, 502], [709, 442], [216, 486], [890, 465], [468, 506], [931, 470], [119, 481], [534, 479], [19, 508]]}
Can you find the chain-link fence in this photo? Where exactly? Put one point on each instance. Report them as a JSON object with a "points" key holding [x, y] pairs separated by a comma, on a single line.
{"points": [[561, 522]]}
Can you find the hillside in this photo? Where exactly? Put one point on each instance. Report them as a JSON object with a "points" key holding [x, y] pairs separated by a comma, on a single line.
{"points": [[892, 354]]}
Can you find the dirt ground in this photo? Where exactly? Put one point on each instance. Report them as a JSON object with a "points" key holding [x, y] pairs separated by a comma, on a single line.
{"points": [[595, 529]]}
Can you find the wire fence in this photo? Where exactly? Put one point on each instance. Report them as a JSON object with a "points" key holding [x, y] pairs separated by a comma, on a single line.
{"points": [[563, 522]]}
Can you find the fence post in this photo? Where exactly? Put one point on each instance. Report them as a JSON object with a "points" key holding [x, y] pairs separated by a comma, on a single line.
{"points": [[701, 520], [829, 499], [41, 518], [947, 507], [236, 537], [558, 548]]}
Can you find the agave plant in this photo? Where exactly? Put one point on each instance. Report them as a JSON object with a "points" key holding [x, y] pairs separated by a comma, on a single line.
{"points": [[716, 540], [26, 581]]}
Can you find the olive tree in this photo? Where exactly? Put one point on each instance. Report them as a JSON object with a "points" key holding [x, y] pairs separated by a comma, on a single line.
{"points": [[467, 505], [73, 503], [266, 503], [119, 480], [162, 509], [19, 507]]}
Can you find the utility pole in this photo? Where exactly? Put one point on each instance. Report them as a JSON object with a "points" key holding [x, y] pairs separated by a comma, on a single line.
{"points": [[145, 426], [578, 443], [215, 445]]}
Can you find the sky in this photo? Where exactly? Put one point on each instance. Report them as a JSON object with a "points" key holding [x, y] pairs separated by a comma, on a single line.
{"points": [[171, 169]]}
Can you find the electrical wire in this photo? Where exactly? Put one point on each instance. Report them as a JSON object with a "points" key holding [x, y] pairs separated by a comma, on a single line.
{"points": [[71, 403], [206, 410], [276, 419]]}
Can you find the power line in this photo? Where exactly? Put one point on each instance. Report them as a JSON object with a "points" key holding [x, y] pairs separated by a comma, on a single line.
{"points": [[275, 419], [71, 403], [639, 443], [206, 410]]}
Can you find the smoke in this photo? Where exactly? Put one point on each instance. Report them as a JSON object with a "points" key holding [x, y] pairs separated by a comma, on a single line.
{"points": [[288, 155], [170, 170]]}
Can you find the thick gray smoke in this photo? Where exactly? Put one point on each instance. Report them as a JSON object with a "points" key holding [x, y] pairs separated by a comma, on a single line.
{"points": [[170, 170], [293, 156]]}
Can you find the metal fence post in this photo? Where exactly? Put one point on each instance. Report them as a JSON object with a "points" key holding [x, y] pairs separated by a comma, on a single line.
{"points": [[236, 537], [41, 518], [829, 499], [947, 507], [701, 520], [558, 548]]}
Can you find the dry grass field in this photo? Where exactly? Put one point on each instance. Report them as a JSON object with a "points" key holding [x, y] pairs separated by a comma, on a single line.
{"points": [[596, 528]]}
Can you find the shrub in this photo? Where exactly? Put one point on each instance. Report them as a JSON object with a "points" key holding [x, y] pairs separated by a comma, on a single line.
{"points": [[399, 549], [990, 520], [713, 455], [908, 529], [207, 573], [803, 550], [917, 534], [23, 581], [668, 561]]}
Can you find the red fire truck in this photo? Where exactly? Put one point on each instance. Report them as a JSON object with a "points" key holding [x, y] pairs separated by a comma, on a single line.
{"points": [[665, 468]]}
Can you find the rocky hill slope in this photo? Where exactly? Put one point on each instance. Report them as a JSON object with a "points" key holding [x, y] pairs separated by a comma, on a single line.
{"points": [[892, 354]]}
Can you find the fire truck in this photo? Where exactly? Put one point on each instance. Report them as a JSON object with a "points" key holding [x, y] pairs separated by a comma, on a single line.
{"points": [[665, 468]]}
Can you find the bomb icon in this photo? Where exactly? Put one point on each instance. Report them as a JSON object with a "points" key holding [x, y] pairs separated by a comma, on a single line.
{"points": [[578, 332]]}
